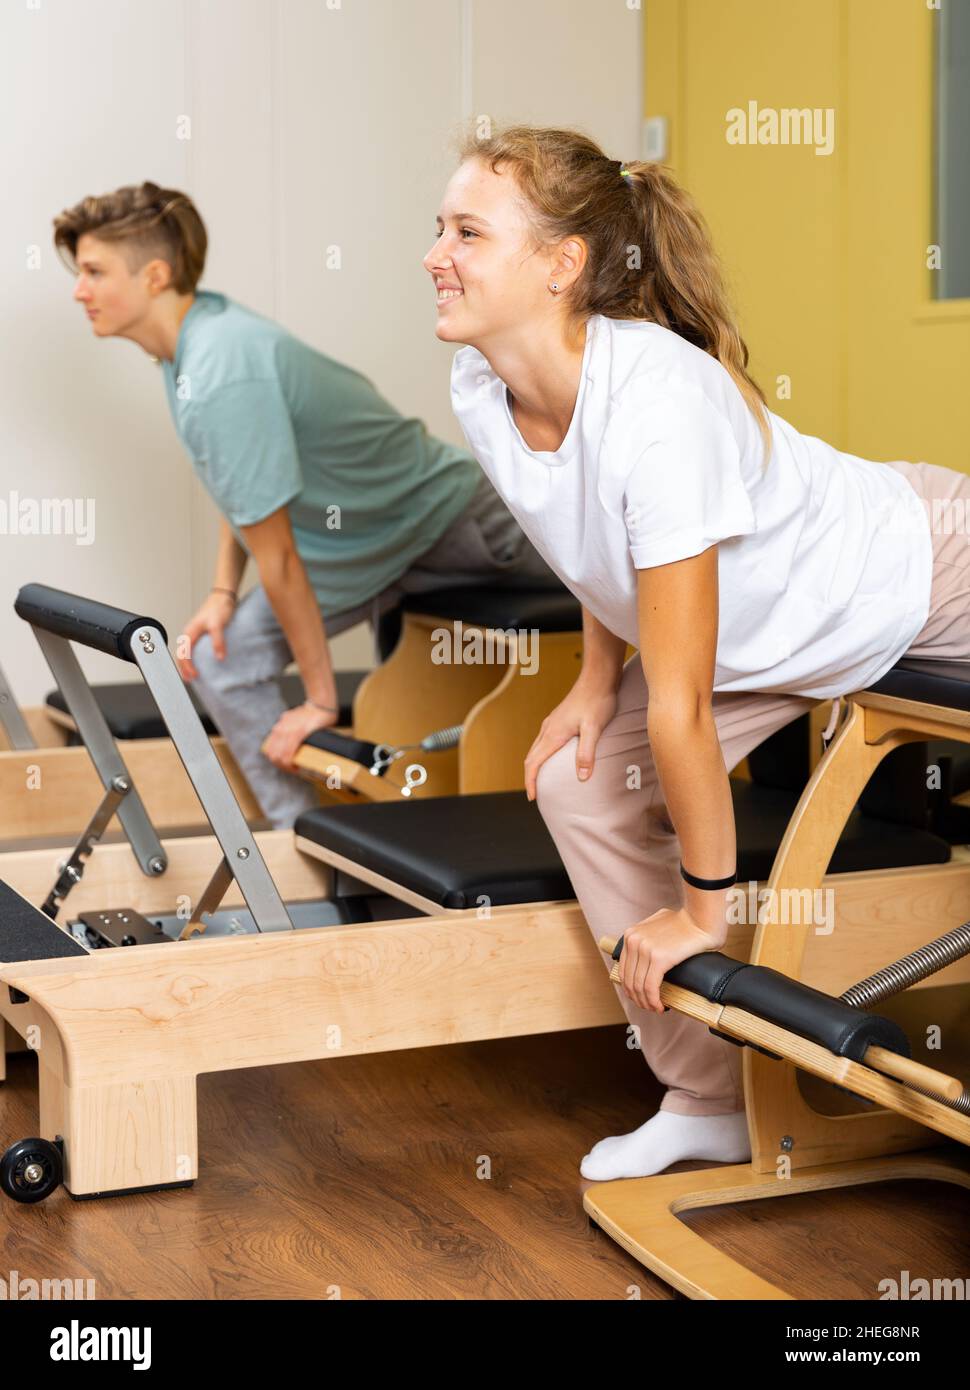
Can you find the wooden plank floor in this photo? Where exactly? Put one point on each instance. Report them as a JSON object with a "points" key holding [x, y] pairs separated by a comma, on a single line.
{"points": [[359, 1178]]}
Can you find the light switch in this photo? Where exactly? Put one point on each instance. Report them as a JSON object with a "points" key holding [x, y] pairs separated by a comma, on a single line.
{"points": [[654, 138]]}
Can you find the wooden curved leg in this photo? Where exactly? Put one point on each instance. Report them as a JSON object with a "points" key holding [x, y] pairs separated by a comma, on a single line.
{"points": [[780, 1121], [641, 1214]]}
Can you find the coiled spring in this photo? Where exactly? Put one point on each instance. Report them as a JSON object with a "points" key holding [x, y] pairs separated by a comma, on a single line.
{"points": [[925, 960], [893, 979], [442, 740], [438, 742]]}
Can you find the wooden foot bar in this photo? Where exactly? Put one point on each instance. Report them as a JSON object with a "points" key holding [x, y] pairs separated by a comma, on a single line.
{"points": [[339, 778], [863, 1080]]}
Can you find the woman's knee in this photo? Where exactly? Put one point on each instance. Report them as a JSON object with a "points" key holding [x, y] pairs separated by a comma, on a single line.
{"points": [[215, 673], [557, 784]]}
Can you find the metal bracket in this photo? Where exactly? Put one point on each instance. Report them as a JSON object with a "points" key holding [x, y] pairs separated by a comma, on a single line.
{"points": [[212, 896], [241, 857], [108, 762], [123, 926], [72, 871], [12, 719]]}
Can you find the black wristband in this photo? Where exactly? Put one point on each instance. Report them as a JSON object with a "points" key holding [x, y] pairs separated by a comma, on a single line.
{"points": [[711, 883]]}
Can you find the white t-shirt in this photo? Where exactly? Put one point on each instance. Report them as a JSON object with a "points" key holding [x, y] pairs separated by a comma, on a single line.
{"points": [[825, 560]]}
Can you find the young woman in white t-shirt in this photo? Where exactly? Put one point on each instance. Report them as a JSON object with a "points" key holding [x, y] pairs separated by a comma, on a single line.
{"points": [[605, 392]]}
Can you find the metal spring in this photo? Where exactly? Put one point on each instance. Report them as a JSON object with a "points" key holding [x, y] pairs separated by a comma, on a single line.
{"points": [[438, 742], [925, 960], [893, 979], [442, 739], [962, 1103]]}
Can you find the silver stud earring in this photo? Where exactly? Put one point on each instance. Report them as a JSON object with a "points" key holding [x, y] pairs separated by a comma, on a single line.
{"points": [[554, 288]]}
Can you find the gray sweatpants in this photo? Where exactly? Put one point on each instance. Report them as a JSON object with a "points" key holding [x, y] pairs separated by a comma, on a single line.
{"points": [[483, 546]]}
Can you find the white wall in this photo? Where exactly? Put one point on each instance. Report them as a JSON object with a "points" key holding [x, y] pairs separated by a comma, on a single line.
{"points": [[314, 123]]}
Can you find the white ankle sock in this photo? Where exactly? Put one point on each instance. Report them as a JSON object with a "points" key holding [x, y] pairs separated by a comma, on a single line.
{"points": [[668, 1138]]}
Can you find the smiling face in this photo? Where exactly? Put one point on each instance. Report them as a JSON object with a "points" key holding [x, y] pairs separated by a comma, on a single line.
{"points": [[489, 277], [115, 297]]}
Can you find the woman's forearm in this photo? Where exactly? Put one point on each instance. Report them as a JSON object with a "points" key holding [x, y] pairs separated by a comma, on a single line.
{"points": [[697, 793], [603, 654], [230, 560], [295, 604]]}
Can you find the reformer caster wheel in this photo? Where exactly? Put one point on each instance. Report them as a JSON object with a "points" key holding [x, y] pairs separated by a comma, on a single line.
{"points": [[31, 1169]]}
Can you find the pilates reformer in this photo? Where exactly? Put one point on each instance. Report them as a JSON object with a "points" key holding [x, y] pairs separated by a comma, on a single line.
{"points": [[75, 1085], [426, 728], [478, 891], [40, 750]]}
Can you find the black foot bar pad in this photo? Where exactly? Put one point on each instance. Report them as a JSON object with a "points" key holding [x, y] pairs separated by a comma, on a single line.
{"points": [[82, 620], [822, 1019]]}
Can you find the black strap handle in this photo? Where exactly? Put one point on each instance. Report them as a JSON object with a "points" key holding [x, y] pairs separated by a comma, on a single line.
{"points": [[84, 620]]}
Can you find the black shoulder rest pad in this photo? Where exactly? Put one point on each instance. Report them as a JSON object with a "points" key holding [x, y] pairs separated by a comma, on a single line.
{"points": [[821, 1018], [358, 750], [82, 620], [548, 610]]}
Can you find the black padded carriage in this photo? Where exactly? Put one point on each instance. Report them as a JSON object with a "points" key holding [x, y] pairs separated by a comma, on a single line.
{"points": [[547, 610], [130, 712], [897, 790], [453, 850]]}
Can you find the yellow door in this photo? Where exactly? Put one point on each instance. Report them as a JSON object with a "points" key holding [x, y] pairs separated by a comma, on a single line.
{"points": [[825, 241]]}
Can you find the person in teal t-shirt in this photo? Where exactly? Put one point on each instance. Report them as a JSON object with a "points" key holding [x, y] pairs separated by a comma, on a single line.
{"points": [[269, 422], [343, 503]]}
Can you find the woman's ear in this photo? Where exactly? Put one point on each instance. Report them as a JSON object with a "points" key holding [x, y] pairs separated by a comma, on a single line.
{"points": [[570, 259], [158, 276]]}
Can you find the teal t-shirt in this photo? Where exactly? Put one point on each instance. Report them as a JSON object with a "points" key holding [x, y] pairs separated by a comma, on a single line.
{"points": [[270, 422]]}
